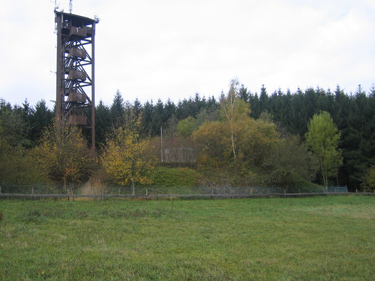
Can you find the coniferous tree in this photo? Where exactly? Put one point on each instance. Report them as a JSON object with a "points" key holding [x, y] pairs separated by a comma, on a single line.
{"points": [[103, 124], [147, 117], [117, 110], [41, 118]]}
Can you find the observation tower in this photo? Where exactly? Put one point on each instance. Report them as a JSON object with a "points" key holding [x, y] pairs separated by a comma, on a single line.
{"points": [[75, 82]]}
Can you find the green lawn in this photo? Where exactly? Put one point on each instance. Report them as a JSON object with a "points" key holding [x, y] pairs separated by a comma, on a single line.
{"points": [[318, 238]]}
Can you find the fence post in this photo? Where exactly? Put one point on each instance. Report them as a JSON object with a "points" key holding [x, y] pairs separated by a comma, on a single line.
{"points": [[73, 191]]}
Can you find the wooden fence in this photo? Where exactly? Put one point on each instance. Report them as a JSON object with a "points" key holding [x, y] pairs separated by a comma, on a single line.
{"points": [[178, 196]]}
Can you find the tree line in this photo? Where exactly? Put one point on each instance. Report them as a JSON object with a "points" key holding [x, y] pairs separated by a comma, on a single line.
{"points": [[239, 138]]}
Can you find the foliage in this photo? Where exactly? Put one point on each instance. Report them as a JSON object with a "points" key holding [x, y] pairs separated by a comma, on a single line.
{"points": [[259, 139], [19, 167], [103, 120], [124, 157], [4, 151], [175, 177], [117, 110], [63, 150], [234, 112], [16, 164], [212, 140], [39, 119], [369, 180], [186, 127], [207, 115], [322, 138], [15, 129], [24, 125], [254, 141], [352, 113], [170, 130], [289, 163]]}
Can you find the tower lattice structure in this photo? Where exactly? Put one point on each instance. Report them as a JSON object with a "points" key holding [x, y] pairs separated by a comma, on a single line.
{"points": [[75, 85]]}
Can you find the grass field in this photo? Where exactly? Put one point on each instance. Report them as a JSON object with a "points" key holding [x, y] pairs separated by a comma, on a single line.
{"points": [[319, 238]]}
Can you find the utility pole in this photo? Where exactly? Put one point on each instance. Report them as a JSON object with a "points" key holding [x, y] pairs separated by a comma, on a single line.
{"points": [[161, 145]]}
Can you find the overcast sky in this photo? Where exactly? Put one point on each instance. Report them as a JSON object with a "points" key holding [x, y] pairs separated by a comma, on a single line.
{"points": [[151, 49]]}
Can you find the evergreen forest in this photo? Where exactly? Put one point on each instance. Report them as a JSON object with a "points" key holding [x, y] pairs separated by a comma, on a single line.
{"points": [[239, 138]]}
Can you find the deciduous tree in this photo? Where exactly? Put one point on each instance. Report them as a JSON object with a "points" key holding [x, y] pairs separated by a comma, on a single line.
{"points": [[322, 138], [62, 149], [186, 127], [234, 112], [289, 163], [213, 141], [369, 180], [124, 157]]}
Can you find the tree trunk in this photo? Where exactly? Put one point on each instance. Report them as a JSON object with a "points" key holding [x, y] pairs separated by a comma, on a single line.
{"points": [[233, 147], [325, 181], [133, 188]]}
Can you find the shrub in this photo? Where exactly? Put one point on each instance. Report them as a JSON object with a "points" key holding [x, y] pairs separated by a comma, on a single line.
{"points": [[175, 177]]}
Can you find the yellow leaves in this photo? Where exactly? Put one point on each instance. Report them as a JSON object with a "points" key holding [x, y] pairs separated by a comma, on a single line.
{"points": [[124, 157], [369, 180], [213, 139], [63, 152], [234, 111], [259, 139], [249, 139]]}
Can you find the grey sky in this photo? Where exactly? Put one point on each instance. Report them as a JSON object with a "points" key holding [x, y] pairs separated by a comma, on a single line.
{"points": [[164, 49]]}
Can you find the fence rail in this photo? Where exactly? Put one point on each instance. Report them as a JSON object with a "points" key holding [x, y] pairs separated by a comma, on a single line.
{"points": [[148, 190], [180, 196], [155, 192]]}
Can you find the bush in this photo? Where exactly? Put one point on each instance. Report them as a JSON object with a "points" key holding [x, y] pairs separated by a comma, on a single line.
{"points": [[304, 187], [175, 177]]}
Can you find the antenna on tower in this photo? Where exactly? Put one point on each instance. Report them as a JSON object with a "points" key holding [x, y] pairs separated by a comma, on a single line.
{"points": [[70, 6], [57, 4]]}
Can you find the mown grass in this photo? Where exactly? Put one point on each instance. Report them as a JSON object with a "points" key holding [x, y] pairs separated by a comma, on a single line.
{"points": [[320, 238]]}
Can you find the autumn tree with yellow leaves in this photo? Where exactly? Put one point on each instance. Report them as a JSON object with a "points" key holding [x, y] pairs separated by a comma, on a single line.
{"points": [[64, 154], [236, 141], [125, 156], [234, 112]]}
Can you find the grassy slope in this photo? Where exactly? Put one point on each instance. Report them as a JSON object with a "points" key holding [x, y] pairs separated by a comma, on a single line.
{"points": [[323, 238]]}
